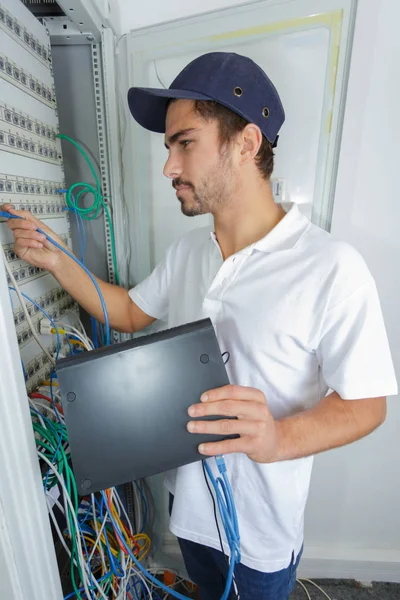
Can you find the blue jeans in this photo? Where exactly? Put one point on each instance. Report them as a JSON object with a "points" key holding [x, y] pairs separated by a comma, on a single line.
{"points": [[208, 569]]}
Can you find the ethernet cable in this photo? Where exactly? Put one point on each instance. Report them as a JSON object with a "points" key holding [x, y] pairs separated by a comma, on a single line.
{"points": [[16, 289], [221, 487], [75, 521], [64, 331], [7, 215], [148, 575], [93, 211]]}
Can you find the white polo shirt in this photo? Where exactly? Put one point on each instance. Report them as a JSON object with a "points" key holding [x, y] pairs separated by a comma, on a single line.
{"points": [[299, 314]]}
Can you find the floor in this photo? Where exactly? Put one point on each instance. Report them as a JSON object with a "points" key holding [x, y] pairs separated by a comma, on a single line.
{"points": [[340, 589]]}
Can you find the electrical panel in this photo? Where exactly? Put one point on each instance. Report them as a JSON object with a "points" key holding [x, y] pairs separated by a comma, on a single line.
{"points": [[31, 173]]}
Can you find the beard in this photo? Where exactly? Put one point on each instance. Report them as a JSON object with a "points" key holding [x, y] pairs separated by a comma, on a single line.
{"points": [[213, 192]]}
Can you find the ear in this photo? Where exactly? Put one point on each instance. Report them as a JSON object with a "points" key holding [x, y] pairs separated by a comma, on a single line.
{"points": [[250, 140]]}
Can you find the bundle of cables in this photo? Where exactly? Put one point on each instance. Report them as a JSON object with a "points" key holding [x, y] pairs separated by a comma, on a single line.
{"points": [[98, 558], [121, 547]]}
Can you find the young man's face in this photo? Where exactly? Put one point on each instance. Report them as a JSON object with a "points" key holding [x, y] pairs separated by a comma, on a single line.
{"points": [[201, 171]]}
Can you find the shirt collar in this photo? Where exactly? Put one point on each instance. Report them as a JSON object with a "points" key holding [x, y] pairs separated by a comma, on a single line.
{"points": [[284, 236]]}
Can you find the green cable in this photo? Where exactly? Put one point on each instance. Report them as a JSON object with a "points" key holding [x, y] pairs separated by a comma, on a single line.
{"points": [[64, 469], [50, 442], [98, 202]]}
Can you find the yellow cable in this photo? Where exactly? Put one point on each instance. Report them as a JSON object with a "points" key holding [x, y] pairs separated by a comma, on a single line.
{"points": [[144, 549], [77, 343]]}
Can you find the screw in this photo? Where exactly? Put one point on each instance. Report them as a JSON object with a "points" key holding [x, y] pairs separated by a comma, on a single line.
{"points": [[71, 396], [90, 38], [86, 484]]}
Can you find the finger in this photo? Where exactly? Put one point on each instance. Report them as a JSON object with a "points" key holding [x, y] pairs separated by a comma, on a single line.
{"points": [[230, 408], [21, 247], [236, 392], [225, 447], [27, 216], [23, 234], [15, 224], [226, 427]]}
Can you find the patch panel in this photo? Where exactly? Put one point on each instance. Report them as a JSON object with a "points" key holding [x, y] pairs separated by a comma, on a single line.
{"points": [[13, 142], [11, 26], [22, 190], [14, 74], [24, 331], [42, 210], [44, 301], [25, 122], [39, 369], [24, 272]]}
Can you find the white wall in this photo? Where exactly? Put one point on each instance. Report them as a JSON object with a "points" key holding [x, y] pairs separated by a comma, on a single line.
{"points": [[355, 496], [352, 519], [159, 11]]}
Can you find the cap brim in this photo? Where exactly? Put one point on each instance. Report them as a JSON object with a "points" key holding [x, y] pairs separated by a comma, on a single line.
{"points": [[149, 105]]}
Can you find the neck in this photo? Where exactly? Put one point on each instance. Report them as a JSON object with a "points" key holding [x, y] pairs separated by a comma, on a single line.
{"points": [[249, 217]]}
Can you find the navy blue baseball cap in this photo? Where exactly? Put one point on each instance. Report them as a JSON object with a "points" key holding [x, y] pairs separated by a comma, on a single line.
{"points": [[230, 79]]}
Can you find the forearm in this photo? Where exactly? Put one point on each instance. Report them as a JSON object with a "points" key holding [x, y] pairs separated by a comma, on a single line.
{"points": [[79, 285], [333, 422]]}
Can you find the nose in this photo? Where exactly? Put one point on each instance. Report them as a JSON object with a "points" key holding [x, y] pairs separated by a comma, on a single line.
{"points": [[172, 168]]}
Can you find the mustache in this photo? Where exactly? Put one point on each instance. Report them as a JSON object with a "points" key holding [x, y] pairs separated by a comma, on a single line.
{"points": [[178, 182]]}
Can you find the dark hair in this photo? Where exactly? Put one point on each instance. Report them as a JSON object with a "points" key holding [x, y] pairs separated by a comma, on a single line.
{"points": [[230, 124]]}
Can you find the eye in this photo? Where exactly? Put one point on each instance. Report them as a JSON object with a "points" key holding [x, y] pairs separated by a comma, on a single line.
{"points": [[185, 143]]}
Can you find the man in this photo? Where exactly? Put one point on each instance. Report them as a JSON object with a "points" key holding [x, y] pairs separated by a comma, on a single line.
{"points": [[298, 312]]}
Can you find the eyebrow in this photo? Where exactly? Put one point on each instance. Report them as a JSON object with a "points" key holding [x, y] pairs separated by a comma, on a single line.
{"points": [[175, 137]]}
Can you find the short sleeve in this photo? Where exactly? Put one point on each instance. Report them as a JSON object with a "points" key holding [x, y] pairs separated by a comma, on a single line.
{"points": [[353, 353], [152, 294]]}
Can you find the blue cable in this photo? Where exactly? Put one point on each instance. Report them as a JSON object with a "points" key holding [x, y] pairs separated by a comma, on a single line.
{"points": [[139, 565], [87, 562], [145, 507], [112, 560], [10, 287], [7, 215], [221, 485], [83, 589], [80, 226], [93, 323], [51, 389], [24, 370], [228, 514]]}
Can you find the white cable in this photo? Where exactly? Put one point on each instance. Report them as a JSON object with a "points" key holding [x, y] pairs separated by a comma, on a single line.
{"points": [[23, 306], [138, 504], [77, 331], [36, 402], [78, 539], [98, 536], [317, 586], [101, 551], [139, 574], [118, 499], [304, 588], [76, 316], [60, 535], [85, 341], [82, 336]]}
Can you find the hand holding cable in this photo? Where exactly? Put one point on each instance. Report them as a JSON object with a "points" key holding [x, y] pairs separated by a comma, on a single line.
{"points": [[34, 243], [30, 243]]}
